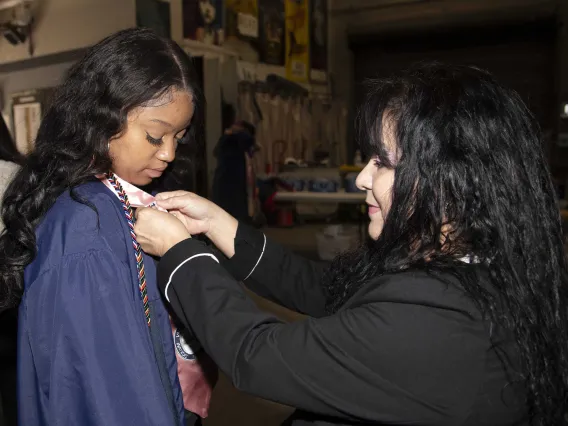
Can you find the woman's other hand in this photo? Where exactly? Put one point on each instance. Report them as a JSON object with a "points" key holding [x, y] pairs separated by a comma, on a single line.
{"points": [[157, 231]]}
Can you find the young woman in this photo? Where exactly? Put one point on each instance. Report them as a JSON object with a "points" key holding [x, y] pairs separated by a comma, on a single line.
{"points": [[454, 313], [95, 341]]}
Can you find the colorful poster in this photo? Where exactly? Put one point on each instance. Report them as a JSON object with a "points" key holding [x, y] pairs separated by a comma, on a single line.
{"points": [[154, 14], [297, 40], [242, 19], [203, 21], [272, 19], [318, 36]]}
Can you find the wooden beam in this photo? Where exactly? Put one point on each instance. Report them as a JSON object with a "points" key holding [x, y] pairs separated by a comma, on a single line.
{"points": [[442, 13]]}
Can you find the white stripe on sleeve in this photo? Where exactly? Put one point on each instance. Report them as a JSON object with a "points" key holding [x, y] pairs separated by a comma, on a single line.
{"points": [[258, 261], [183, 263]]}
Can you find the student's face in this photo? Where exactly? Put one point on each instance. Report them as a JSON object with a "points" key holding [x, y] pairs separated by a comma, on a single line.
{"points": [[148, 144]]}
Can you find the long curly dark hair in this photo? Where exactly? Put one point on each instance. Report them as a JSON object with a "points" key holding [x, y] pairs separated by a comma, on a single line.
{"points": [[471, 167], [122, 72]]}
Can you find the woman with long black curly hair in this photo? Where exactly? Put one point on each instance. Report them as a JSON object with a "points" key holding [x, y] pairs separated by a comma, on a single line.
{"points": [[95, 341], [453, 313]]}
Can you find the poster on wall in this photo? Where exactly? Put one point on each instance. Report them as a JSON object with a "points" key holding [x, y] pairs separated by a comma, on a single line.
{"points": [[272, 19], [318, 39], [242, 19], [27, 112], [154, 14], [203, 21], [297, 40]]}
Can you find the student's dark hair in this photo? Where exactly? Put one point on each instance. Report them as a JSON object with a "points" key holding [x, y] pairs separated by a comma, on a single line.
{"points": [[8, 150], [471, 168], [124, 71]]}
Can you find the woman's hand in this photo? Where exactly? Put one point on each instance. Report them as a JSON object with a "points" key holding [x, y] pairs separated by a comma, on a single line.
{"points": [[197, 213], [201, 216], [157, 231]]}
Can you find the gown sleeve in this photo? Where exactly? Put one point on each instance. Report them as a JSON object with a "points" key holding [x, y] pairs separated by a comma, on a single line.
{"points": [[84, 360]]}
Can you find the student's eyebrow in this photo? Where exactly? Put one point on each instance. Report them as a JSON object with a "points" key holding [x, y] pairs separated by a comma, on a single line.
{"points": [[165, 123]]}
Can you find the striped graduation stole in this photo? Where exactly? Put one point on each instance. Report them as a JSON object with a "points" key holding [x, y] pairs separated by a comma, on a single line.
{"points": [[129, 213]]}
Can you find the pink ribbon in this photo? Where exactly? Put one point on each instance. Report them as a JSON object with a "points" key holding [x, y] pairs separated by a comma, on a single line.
{"points": [[196, 370], [136, 196]]}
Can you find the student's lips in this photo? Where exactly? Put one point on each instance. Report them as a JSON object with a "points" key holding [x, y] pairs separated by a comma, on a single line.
{"points": [[373, 210], [155, 173]]}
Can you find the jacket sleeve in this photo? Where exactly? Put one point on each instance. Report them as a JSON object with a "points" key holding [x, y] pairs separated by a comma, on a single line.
{"points": [[91, 361], [395, 362], [276, 273]]}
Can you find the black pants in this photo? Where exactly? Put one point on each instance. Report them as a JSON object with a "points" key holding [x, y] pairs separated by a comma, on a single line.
{"points": [[192, 419], [8, 397], [8, 336]]}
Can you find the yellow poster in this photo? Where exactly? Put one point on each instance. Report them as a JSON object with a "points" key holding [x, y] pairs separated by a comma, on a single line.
{"points": [[297, 40]]}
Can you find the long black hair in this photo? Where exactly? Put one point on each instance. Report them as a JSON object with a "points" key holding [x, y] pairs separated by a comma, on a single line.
{"points": [[8, 150], [120, 73], [471, 180]]}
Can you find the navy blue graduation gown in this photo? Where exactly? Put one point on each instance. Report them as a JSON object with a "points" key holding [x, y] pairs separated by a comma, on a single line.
{"points": [[86, 354]]}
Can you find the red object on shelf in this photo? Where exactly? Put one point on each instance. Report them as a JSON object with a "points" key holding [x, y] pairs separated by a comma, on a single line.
{"points": [[285, 217]]}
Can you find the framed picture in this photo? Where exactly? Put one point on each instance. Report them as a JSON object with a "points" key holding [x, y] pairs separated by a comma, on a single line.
{"points": [[297, 40], [272, 19], [203, 21], [27, 111]]}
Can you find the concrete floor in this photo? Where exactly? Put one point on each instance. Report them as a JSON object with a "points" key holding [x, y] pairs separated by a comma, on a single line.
{"points": [[231, 407]]}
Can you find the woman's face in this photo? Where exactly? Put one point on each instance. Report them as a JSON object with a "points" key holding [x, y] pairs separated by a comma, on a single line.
{"points": [[377, 181], [143, 151]]}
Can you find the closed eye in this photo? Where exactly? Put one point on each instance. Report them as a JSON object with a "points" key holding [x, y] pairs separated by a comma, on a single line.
{"points": [[183, 139], [154, 141]]}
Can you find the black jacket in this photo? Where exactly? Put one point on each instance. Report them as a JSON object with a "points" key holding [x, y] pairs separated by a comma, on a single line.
{"points": [[405, 349]]}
